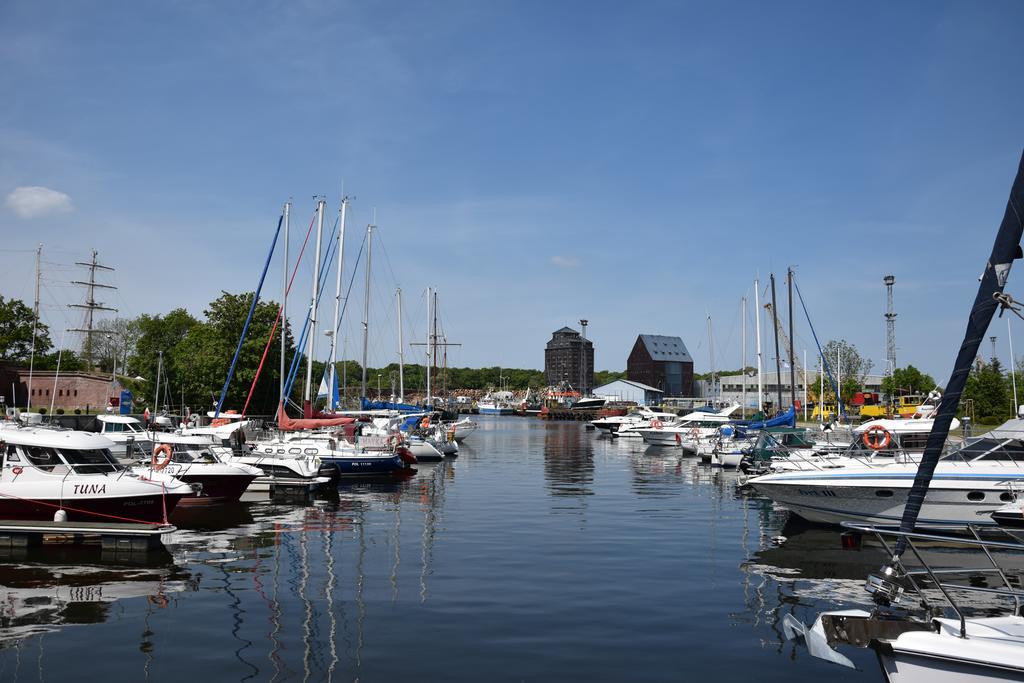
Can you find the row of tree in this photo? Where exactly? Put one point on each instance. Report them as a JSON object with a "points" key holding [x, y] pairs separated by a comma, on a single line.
{"points": [[194, 356]]}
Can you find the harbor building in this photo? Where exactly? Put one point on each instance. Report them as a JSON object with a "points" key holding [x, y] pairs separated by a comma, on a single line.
{"points": [[628, 390], [661, 362], [569, 358], [65, 391]]}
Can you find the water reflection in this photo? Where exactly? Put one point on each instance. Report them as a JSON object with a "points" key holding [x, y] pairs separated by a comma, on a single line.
{"points": [[43, 589], [568, 460]]}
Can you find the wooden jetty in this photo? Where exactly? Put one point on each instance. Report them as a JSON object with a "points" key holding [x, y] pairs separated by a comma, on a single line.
{"points": [[129, 536]]}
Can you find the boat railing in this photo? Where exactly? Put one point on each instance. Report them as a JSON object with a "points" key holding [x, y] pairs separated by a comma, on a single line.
{"points": [[948, 588]]}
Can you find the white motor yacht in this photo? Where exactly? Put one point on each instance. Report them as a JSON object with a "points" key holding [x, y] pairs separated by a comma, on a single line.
{"points": [[48, 473], [635, 418], [969, 484], [686, 430], [195, 461]]}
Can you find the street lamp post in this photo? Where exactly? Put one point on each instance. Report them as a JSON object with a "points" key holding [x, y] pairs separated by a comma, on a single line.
{"points": [[378, 386]]}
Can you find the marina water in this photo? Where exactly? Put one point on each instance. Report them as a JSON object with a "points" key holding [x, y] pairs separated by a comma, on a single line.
{"points": [[542, 552]]}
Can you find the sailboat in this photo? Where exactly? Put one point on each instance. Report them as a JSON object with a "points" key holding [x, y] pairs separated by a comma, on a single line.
{"points": [[947, 642]]}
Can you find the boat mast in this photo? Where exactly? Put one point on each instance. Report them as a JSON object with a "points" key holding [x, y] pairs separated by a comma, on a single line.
{"points": [[792, 358], [35, 324], [711, 355], [433, 342], [333, 373], [430, 341], [310, 346], [284, 298], [366, 300], [401, 352], [778, 361], [757, 326], [743, 361]]}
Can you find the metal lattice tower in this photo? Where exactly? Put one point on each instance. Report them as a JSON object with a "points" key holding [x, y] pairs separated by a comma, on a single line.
{"points": [[993, 340], [890, 328], [90, 305]]}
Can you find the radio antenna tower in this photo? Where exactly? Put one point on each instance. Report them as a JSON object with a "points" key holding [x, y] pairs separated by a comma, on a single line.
{"points": [[90, 305], [890, 328]]}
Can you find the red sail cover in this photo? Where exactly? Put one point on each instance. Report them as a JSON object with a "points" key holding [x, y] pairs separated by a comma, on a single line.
{"points": [[287, 424]]}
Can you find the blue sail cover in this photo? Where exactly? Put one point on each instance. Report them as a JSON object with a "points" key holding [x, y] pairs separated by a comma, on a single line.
{"points": [[786, 419], [367, 404]]}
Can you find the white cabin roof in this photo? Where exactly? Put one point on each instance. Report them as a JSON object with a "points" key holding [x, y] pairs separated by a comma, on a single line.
{"points": [[118, 419], [54, 438]]}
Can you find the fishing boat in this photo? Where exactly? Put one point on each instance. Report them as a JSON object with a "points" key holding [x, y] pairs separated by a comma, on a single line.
{"points": [[947, 640], [498, 403], [68, 475]]}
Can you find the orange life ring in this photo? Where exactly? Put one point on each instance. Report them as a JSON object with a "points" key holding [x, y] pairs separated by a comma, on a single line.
{"points": [[877, 438], [657, 424], [165, 462]]}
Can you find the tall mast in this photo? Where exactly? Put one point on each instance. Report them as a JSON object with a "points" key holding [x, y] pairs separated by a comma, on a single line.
{"points": [[743, 362], [401, 352], [284, 297], [757, 326], [430, 340], [332, 373], [90, 305], [792, 358], [366, 299], [433, 341], [311, 345], [711, 354], [35, 323], [778, 361]]}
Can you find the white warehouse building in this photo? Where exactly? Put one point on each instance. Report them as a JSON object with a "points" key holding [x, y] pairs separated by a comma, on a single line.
{"points": [[628, 390]]}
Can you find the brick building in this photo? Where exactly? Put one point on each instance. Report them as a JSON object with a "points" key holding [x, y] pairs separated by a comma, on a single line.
{"points": [[569, 357], [84, 390], [663, 363]]}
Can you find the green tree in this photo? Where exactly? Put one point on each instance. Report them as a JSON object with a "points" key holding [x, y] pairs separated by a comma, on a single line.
{"points": [[908, 380], [16, 323], [159, 333], [199, 361], [988, 389]]}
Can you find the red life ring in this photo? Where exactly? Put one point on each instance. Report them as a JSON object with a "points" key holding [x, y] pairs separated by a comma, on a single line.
{"points": [[16, 470], [657, 424], [164, 448], [877, 438]]}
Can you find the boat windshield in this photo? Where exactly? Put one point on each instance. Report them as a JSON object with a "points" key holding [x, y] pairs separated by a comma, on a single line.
{"points": [[186, 455], [990, 449], [90, 460], [82, 461]]}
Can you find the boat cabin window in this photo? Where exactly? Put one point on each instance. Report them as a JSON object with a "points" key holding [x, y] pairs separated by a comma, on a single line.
{"points": [[1004, 450], [42, 457], [187, 455], [12, 453], [90, 460], [112, 427]]}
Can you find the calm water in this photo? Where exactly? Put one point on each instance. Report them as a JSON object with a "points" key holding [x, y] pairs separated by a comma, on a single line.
{"points": [[543, 552]]}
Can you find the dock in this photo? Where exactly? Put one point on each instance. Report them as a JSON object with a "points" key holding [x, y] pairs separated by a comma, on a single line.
{"points": [[129, 536]]}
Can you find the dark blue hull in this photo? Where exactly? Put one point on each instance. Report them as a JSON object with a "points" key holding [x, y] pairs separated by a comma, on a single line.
{"points": [[364, 465]]}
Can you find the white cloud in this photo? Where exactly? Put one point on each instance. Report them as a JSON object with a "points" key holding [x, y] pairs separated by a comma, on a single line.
{"points": [[565, 261], [33, 201]]}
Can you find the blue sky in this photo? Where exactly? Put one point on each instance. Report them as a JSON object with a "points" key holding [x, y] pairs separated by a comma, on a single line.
{"points": [[635, 164]]}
